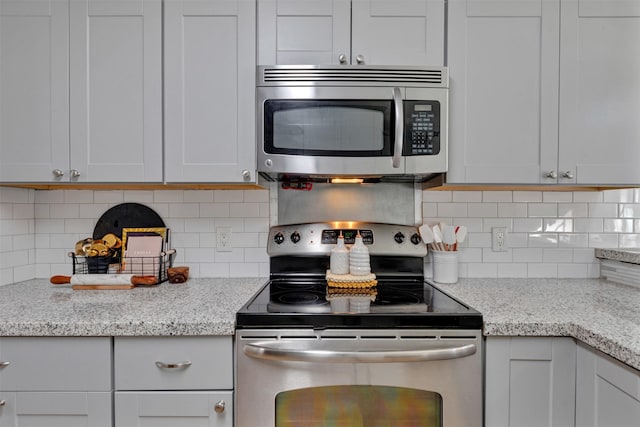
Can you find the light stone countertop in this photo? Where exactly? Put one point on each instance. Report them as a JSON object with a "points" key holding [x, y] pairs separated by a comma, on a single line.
{"points": [[602, 314], [197, 307], [624, 255]]}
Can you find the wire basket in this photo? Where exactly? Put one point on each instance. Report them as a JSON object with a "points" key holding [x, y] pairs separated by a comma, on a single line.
{"points": [[138, 266]]}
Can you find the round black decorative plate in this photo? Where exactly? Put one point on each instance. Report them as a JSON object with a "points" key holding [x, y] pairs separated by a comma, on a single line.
{"points": [[126, 215]]}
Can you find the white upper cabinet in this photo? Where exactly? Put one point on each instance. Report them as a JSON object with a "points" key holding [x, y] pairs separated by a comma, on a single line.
{"points": [[116, 90], [544, 92], [34, 90], [80, 91], [209, 96], [503, 65], [600, 91], [371, 32]]}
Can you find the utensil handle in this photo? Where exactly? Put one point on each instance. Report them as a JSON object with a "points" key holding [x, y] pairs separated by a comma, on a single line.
{"points": [[60, 280]]}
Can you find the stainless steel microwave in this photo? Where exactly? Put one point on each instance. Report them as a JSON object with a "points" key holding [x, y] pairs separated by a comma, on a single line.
{"points": [[352, 120]]}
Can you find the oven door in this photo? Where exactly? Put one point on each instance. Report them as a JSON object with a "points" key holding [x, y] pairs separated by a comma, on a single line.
{"points": [[331, 130], [367, 378]]}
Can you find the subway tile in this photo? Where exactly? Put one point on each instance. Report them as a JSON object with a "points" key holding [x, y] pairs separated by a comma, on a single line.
{"points": [[573, 240], [110, 197], [162, 209], [84, 226], [489, 223], [488, 255], [627, 195], [228, 196], [214, 210], [198, 196], [535, 270], [64, 210], [470, 255], [449, 210], [497, 196], [558, 225], [601, 240], [177, 225], [236, 224], [618, 225], [186, 240], [23, 242], [200, 255], [184, 210], [474, 225], [512, 210], [47, 226], [199, 225], [14, 195], [482, 210], [482, 270], [530, 225], [588, 225], [49, 196], [92, 211], [218, 269], [236, 255], [244, 210], [254, 255], [629, 211], [527, 255], [543, 210], [78, 196], [256, 224], [6, 211], [139, 196], [479, 240], [557, 255], [6, 243], [557, 196], [51, 256], [527, 196], [573, 271], [588, 197], [245, 240], [517, 240], [467, 196], [512, 270], [6, 275], [256, 196], [207, 240], [573, 210], [23, 211], [168, 196], [264, 210], [436, 196], [244, 270], [429, 210], [543, 240], [629, 240], [603, 210], [585, 256], [593, 270], [24, 272]]}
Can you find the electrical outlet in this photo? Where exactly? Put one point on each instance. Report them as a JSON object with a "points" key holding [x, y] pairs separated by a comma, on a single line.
{"points": [[223, 239], [499, 239]]}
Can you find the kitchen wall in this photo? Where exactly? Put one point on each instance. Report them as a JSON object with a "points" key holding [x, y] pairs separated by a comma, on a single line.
{"points": [[551, 234]]}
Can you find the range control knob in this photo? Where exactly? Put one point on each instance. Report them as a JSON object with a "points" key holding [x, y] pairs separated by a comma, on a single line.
{"points": [[398, 237], [415, 238], [295, 237], [278, 238]]}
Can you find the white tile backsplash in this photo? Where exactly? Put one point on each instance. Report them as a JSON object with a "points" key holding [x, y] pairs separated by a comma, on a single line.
{"points": [[551, 234]]}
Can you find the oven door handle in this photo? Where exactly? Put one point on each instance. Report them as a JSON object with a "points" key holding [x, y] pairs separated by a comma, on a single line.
{"points": [[280, 352], [399, 137]]}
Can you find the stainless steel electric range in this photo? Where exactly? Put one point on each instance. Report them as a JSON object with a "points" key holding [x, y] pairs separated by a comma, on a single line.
{"points": [[303, 360]]}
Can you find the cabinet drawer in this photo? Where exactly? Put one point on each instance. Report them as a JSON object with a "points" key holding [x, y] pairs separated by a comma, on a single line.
{"points": [[173, 363], [55, 364]]}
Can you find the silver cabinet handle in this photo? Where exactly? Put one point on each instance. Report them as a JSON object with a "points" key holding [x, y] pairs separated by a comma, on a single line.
{"points": [[75, 173], [279, 351], [552, 175], [58, 173], [397, 150], [219, 407], [360, 59], [567, 174], [246, 175], [3, 402], [4, 364], [179, 365], [342, 58]]}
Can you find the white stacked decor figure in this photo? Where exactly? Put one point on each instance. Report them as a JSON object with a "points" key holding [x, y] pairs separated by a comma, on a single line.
{"points": [[359, 264], [339, 260]]}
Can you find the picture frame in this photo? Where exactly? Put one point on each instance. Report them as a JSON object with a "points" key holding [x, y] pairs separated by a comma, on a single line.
{"points": [[142, 231]]}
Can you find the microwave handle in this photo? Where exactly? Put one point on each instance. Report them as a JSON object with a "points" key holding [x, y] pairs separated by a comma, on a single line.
{"points": [[399, 137]]}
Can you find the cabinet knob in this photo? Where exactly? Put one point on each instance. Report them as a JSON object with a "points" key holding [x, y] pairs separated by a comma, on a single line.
{"points": [[3, 402], [360, 59], [567, 174], [75, 173], [219, 407], [4, 364], [552, 175], [342, 58], [246, 175], [179, 365], [58, 173]]}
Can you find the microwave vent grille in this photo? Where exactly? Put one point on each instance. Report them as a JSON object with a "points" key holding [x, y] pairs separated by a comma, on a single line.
{"points": [[353, 76]]}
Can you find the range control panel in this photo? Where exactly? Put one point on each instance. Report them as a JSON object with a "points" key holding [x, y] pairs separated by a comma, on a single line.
{"points": [[319, 238]]}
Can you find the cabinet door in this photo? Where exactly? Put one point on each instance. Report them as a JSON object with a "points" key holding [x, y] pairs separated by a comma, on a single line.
{"points": [[608, 392], [303, 31], [397, 32], [599, 87], [116, 90], [34, 90], [29, 409], [503, 64], [210, 91], [164, 409], [530, 382]]}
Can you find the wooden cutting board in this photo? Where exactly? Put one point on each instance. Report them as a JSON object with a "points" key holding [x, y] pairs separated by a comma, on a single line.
{"points": [[102, 287]]}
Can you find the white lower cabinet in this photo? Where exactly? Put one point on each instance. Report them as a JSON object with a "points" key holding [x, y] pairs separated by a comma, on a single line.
{"points": [[55, 382], [607, 391], [530, 381], [173, 381]]}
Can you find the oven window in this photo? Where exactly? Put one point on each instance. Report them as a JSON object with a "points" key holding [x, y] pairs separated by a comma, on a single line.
{"points": [[326, 128], [358, 406]]}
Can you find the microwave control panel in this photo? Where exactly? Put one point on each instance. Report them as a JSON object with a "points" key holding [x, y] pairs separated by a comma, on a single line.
{"points": [[421, 128]]}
